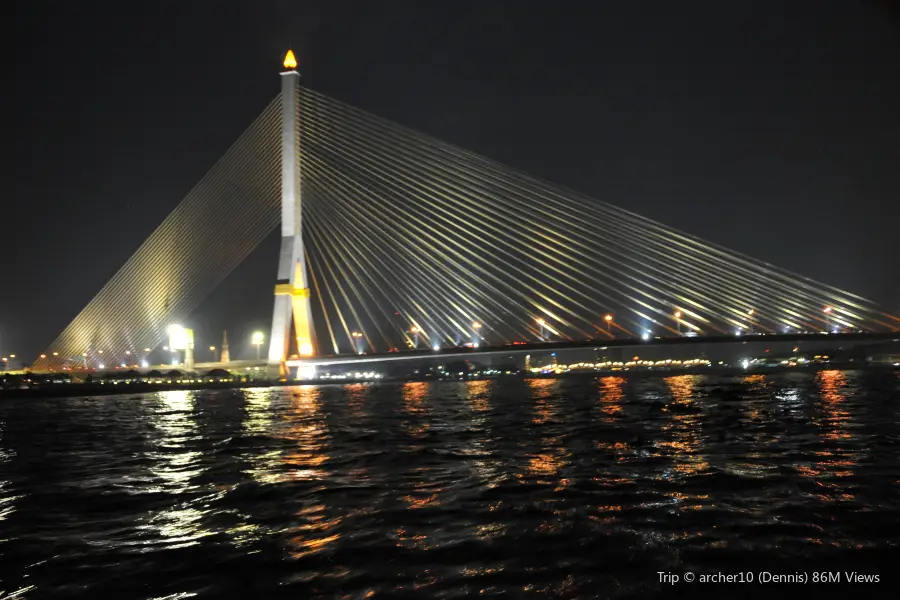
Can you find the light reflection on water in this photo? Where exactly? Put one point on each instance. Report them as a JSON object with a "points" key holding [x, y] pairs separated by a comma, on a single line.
{"points": [[480, 446], [174, 465], [545, 464], [684, 442], [835, 456], [7, 498], [454, 488]]}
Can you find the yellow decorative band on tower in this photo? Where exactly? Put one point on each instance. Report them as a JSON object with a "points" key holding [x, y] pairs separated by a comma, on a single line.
{"points": [[286, 289]]}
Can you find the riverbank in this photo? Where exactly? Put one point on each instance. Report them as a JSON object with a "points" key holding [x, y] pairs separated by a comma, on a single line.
{"points": [[68, 390]]}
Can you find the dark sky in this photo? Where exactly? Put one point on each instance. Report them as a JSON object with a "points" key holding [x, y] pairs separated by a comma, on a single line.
{"points": [[772, 127]]}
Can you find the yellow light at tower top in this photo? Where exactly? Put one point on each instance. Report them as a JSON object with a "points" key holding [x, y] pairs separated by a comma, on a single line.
{"points": [[290, 62]]}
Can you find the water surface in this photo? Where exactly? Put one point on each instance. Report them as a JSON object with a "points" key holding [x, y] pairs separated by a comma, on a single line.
{"points": [[529, 488]]}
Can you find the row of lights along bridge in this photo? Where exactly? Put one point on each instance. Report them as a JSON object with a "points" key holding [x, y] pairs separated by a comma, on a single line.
{"points": [[257, 339], [545, 330]]}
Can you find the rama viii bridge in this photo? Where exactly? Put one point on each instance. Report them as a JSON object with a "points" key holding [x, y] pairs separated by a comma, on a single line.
{"points": [[393, 240]]}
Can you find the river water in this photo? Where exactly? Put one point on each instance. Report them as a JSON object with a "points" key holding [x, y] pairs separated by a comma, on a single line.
{"points": [[529, 488]]}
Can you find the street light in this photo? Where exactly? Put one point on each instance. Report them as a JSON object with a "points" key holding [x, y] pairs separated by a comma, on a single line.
{"points": [[678, 320], [541, 323], [257, 340], [475, 327], [415, 331], [827, 311], [213, 350], [608, 319]]}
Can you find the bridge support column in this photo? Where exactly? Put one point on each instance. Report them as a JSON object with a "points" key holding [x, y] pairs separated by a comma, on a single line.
{"points": [[293, 309]]}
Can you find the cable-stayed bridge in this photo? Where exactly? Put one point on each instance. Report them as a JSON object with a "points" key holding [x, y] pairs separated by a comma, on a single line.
{"points": [[394, 240]]}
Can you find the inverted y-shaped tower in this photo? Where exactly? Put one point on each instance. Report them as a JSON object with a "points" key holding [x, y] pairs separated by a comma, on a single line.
{"points": [[292, 298]]}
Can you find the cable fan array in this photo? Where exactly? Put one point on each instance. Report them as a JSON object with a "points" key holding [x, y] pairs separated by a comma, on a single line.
{"points": [[220, 221], [415, 241], [411, 241]]}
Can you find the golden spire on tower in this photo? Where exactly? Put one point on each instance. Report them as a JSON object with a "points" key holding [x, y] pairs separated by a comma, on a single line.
{"points": [[289, 61]]}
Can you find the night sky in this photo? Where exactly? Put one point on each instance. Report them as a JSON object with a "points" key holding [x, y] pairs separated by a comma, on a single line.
{"points": [[771, 127]]}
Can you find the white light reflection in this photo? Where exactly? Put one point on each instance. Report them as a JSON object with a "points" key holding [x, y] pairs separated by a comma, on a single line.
{"points": [[176, 466], [7, 499], [789, 400]]}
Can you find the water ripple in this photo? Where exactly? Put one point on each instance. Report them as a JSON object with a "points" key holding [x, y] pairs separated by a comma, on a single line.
{"points": [[555, 488]]}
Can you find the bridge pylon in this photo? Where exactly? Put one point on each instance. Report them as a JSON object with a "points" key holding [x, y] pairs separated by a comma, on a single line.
{"points": [[293, 309]]}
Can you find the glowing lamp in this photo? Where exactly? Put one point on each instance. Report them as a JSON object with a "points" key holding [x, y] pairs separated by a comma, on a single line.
{"points": [[290, 62], [179, 337]]}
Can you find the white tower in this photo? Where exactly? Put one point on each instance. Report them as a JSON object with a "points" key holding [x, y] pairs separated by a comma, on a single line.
{"points": [[292, 298], [226, 355]]}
